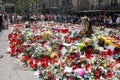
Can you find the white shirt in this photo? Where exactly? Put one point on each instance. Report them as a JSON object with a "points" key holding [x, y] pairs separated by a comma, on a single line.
{"points": [[118, 20]]}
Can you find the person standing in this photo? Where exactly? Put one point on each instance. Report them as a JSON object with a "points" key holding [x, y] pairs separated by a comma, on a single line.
{"points": [[118, 20], [1, 21], [42, 17], [46, 17], [5, 20], [110, 21], [85, 23], [106, 21]]}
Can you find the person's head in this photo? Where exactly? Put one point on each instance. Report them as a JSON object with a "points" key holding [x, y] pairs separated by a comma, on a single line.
{"points": [[110, 17]]}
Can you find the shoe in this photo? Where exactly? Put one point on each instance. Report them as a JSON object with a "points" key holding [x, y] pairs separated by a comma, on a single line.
{"points": [[1, 56]]}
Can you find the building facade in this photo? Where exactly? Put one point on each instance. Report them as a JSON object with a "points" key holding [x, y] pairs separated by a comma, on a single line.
{"points": [[94, 4], [102, 4], [78, 5], [1, 5]]}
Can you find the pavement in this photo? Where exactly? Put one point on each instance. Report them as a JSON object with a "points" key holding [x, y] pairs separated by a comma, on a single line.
{"points": [[10, 67]]}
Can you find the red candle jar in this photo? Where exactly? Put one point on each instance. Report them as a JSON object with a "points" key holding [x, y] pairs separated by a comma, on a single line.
{"points": [[110, 74], [97, 74], [69, 78], [64, 31]]}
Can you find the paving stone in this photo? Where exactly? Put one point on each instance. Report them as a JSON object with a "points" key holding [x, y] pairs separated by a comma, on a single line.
{"points": [[11, 68]]}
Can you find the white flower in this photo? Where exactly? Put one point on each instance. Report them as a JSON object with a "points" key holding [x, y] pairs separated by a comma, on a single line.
{"points": [[68, 69]]}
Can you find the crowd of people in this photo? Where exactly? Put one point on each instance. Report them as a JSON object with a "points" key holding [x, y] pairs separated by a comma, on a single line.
{"points": [[98, 20]]}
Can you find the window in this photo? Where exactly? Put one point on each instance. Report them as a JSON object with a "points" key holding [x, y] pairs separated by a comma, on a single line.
{"points": [[57, 2], [63, 3], [101, 4], [67, 2]]}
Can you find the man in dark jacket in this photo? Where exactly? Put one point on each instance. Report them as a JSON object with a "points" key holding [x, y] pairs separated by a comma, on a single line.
{"points": [[1, 22]]}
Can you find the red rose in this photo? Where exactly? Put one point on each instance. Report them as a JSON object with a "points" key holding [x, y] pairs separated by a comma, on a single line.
{"points": [[34, 66], [10, 36], [25, 58]]}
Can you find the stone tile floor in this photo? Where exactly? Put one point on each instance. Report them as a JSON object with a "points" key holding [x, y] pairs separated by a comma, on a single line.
{"points": [[10, 67]]}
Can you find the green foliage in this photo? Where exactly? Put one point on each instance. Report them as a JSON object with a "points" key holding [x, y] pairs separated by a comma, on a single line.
{"points": [[21, 5]]}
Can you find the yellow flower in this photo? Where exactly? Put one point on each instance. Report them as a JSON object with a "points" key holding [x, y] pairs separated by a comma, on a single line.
{"points": [[74, 48], [50, 50], [102, 38], [107, 42], [52, 55], [28, 61], [46, 34], [86, 42], [105, 63], [80, 46], [94, 39]]}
